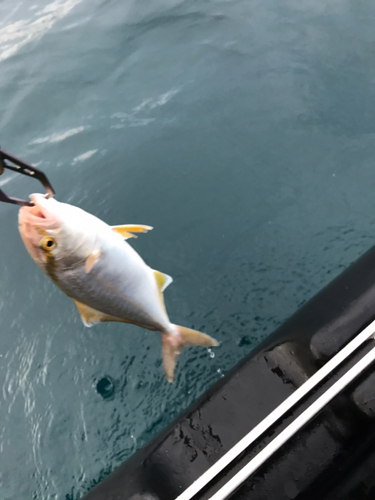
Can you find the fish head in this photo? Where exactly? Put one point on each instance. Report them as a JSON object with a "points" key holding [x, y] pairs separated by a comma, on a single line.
{"points": [[51, 230]]}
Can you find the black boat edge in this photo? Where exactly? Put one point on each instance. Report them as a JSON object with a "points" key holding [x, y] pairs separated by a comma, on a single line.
{"points": [[332, 457]]}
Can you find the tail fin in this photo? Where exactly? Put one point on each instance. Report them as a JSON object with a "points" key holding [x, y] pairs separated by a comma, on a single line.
{"points": [[172, 343]]}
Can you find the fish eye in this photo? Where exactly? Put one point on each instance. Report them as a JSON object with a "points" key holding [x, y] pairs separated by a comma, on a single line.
{"points": [[47, 243]]}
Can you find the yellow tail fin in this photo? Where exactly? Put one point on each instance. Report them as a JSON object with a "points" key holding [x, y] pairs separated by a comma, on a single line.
{"points": [[172, 343]]}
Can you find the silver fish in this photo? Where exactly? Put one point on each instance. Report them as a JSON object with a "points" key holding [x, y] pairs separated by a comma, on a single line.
{"points": [[107, 279]]}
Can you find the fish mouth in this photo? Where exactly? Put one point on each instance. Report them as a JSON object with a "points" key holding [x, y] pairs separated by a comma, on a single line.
{"points": [[41, 214]]}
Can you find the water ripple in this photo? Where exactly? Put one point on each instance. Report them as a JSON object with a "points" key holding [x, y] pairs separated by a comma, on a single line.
{"points": [[16, 35], [135, 118], [58, 136]]}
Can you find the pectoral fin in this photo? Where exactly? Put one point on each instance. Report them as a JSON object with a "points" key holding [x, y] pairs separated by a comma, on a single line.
{"points": [[91, 259], [127, 229]]}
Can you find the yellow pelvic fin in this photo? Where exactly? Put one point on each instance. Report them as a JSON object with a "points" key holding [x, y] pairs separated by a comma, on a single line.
{"points": [[126, 230], [172, 343], [91, 259]]}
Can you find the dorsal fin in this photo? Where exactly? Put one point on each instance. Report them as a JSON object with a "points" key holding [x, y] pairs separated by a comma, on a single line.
{"points": [[126, 230], [162, 280]]}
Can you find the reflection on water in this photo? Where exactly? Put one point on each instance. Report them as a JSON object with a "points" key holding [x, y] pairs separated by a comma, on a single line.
{"points": [[242, 132], [58, 136], [17, 34]]}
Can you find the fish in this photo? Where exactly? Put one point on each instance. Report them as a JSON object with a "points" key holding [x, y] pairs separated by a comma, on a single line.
{"points": [[94, 265]]}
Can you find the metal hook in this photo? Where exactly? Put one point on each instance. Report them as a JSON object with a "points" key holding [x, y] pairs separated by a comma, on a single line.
{"points": [[25, 169]]}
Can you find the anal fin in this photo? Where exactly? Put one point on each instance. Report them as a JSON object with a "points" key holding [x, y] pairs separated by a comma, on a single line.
{"points": [[91, 316]]}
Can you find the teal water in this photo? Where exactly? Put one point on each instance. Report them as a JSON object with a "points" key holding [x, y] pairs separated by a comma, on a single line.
{"points": [[243, 131]]}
